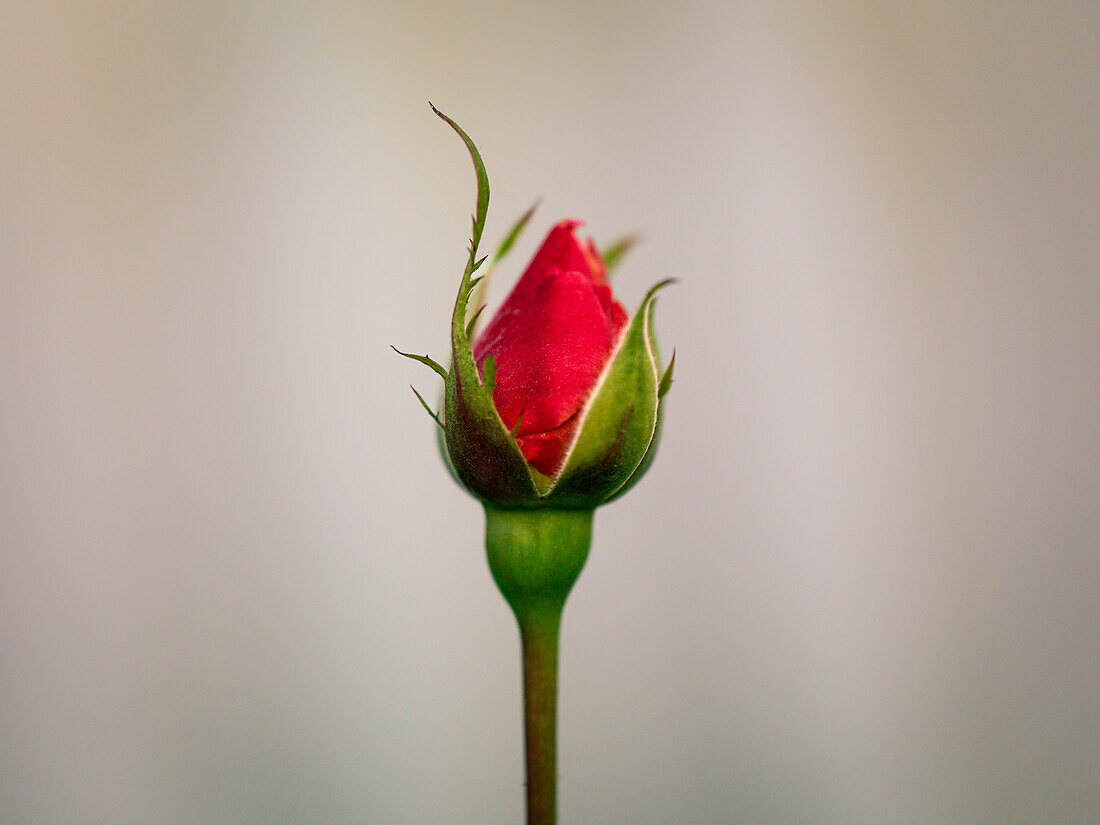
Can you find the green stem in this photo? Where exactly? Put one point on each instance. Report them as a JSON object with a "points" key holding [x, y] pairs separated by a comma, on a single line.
{"points": [[535, 557], [540, 688]]}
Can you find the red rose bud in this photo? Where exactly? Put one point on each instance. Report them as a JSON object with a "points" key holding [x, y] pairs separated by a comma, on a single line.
{"points": [[559, 402], [551, 339]]}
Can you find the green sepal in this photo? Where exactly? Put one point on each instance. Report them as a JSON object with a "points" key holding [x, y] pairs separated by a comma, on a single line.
{"points": [[482, 186], [666, 379], [441, 442], [647, 459], [423, 359], [489, 374], [662, 390], [424, 404], [483, 453], [514, 233], [619, 421], [472, 323], [616, 250]]}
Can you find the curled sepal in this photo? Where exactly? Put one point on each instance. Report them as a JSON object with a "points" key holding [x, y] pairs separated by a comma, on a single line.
{"points": [[427, 409], [423, 359], [485, 457], [618, 424]]}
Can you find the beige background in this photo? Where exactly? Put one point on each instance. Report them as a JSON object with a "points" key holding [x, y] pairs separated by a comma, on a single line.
{"points": [[861, 583]]}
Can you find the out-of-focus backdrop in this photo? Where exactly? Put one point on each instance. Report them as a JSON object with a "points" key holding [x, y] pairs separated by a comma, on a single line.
{"points": [[861, 583]]}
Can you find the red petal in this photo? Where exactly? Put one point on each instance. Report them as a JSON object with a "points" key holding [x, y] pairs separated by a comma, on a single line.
{"points": [[549, 352], [561, 250], [545, 451]]}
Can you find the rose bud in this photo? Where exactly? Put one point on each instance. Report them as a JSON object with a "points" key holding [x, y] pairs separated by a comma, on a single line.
{"points": [[558, 403], [555, 410]]}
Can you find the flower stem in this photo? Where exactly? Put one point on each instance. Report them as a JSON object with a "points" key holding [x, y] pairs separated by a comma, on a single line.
{"points": [[540, 684], [535, 557]]}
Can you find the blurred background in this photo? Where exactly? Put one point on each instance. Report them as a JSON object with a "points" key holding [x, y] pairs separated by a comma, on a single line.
{"points": [[861, 583]]}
